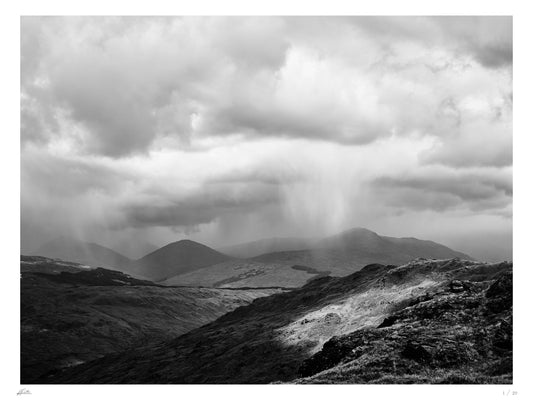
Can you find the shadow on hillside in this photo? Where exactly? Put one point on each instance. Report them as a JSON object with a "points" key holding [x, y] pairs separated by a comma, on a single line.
{"points": [[242, 346]]}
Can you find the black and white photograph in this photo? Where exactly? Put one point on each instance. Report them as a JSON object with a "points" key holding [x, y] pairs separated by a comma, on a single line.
{"points": [[268, 199]]}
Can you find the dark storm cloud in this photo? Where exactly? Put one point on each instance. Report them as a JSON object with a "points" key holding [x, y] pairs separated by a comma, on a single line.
{"points": [[444, 189], [497, 55], [459, 153], [488, 40], [199, 208], [57, 176], [277, 175], [274, 120]]}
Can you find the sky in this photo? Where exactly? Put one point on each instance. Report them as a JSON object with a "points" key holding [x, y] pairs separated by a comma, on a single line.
{"points": [[136, 132]]}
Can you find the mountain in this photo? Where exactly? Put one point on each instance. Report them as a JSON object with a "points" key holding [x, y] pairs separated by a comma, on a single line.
{"points": [[428, 321], [177, 258], [71, 315], [336, 255], [49, 265], [361, 244], [84, 253], [271, 245]]}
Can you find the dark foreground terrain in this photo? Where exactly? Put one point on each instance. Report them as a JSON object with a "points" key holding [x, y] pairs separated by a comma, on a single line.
{"points": [[71, 314], [447, 321]]}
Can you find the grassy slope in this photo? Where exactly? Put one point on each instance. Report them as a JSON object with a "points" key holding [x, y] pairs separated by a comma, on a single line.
{"points": [[270, 245], [269, 339], [459, 334], [243, 273], [67, 323]]}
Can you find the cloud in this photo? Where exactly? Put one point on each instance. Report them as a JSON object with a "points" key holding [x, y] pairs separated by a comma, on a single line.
{"points": [[199, 208], [122, 82], [444, 188], [115, 86], [487, 40], [229, 129], [64, 177]]}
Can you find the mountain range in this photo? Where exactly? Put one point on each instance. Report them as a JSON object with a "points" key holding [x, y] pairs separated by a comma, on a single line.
{"points": [[287, 262]]}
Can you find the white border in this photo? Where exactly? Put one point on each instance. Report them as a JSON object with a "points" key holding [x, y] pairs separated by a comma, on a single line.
{"points": [[10, 199]]}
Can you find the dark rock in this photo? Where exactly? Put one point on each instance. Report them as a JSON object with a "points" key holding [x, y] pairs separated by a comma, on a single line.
{"points": [[501, 367], [332, 353], [500, 294], [455, 353], [388, 321], [457, 286], [502, 287], [503, 336], [417, 352]]}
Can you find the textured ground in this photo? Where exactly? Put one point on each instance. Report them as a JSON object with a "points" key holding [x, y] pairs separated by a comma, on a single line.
{"points": [[245, 273], [456, 334], [427, 321], [70, 318]]}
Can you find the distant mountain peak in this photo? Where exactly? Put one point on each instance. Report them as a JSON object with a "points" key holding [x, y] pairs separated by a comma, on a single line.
{"points": [[185, 242], [70, 249], [358, 229], [176, 258]]}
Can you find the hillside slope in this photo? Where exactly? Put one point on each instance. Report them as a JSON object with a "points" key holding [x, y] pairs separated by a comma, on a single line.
{"points": [[271, 339], [461, 335], [85, 253], [70, 317], [270, 245], [247, 273], [177, 258]]}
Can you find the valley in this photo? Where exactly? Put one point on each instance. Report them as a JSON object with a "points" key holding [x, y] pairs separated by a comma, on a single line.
{"points": [[378, 314], [70, 315]]}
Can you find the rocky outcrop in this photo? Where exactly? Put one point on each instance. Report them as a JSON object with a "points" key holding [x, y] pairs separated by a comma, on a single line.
{"points": [[461, 334]]}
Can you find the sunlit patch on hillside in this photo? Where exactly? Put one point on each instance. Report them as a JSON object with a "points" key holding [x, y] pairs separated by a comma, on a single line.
{"points": [[361, 310]]}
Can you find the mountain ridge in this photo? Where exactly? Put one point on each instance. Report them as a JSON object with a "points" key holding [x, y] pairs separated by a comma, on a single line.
{"points": [[190, 263], [337, 255]]}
